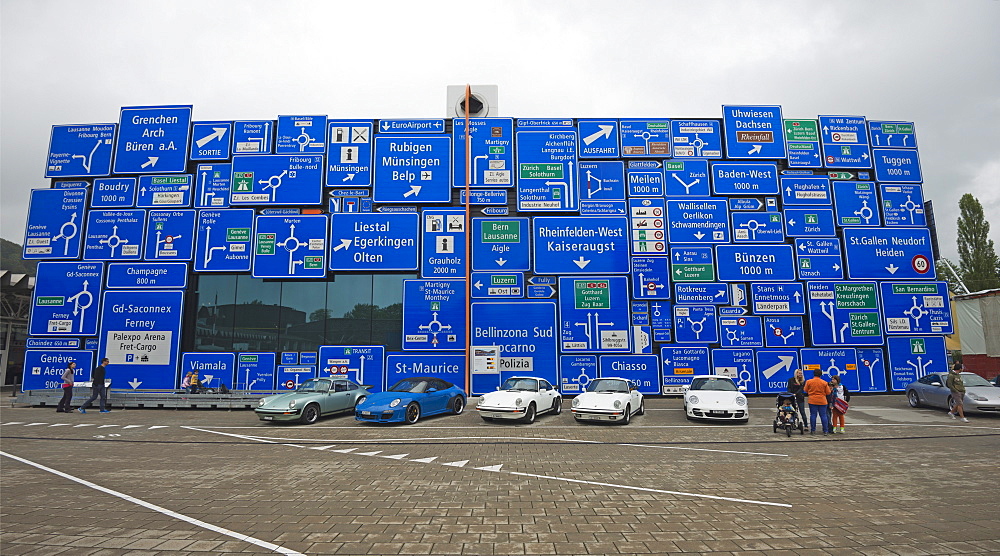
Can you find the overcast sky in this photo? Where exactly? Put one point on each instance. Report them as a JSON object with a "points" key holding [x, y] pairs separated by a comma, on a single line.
{"points": [[936, 63]]}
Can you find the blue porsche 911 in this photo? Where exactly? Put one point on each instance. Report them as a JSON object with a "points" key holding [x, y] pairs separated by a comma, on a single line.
{"points": [[411, 398]]}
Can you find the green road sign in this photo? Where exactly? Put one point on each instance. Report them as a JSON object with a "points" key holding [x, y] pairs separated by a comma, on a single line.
{"points": [[692, 272], [501, 231], [591, 294], [856, 296], [546, 171], [801, 130], [265, 244]]}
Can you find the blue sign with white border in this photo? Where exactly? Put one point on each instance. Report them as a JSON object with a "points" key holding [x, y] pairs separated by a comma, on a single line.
{"points": [[845, 141], [871, 370], [916, 308], [373, 241], [289, 377], [911, 357], [492, 152], [211, 140], [594, 314], [648, 226], [224, 240], [737, 364], [809, 222], [856, 203], [434, 314], [739, 263], [842, 362], [819, 259], [443, 239], [695, 324], [214, 369], [650, 278], [698, 221], [113, 234], [750, 178], [362, 364], [758, 227], [412, 169], [741, 332], [213, 184], [645, 138], [903, 204], [696, 138], [753, 132], [255, 371], [569, 245], [164, 191], [889, 253], [545, 170], [784, 331], [147, 275], [680, 364], [418, 125], [64, 300], [300, 135], [80, 150], [114, 193], [277, 179], [701, 293], [686, 178], [55, 224], [141, 334], [290, 246], [643, 370], [500, 244], [152, 139], [601, 181], [805, 190], [598, 138], [252, 137], [844, 314], [897, 165], [776, 368], [525, 332], [491, 285], [576, 371], [447, 367], [778, 299], [349, 162], [43, 368], [899, 135], [645, 183], [169, 235]]}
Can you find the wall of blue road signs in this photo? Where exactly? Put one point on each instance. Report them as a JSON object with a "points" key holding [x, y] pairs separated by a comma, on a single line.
{"points": [[749, 245]]}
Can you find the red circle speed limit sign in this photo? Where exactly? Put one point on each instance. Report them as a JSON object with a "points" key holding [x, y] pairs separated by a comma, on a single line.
{"points": [[921, 264], [290, 384]]}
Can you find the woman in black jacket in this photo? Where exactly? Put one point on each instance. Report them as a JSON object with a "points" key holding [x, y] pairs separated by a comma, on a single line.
{"points": [[795, 386]]}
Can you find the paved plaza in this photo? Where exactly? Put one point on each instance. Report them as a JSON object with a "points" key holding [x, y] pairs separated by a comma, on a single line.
{"points": [[164, 481]]}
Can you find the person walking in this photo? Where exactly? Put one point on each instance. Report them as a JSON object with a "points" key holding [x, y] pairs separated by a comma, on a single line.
{"points": [[818, 389], [796, 386], [97, 389], [68, 377], [957, 387], [840, 392]]}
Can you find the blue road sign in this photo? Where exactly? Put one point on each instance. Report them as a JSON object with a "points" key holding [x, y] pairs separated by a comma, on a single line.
{"points": [[809, 222], [778, 299], [702, 293], [602, 208], [695, 324], [252, 136], [525, 332], [740, 263], [686, 178], [484, 197], [758, 227], [819, 259], [546, 170], [65, 299], [449, 367], [211, 140], [645, 138], [255, 371], [141, 335], [152, 139], [899, 135], [289, 358], [680, 364], [897, 165], [214, 369], [307, 358], [500, 244], [844, 314], [43, 368], [784, 331], [661, 315], [288, 377], [598, 138], [749, 178], [80, 150], [889, 253], [871, 370], [349, 162], [594, 314], [648, 226], [490, 285], [845, 141], [911, 357], [113, 234], [903, 204], [568, 245], [747, 204], [544, 123], [741, 332], [412, 169], [916, 308], [696, 138], [805, 190], [434, 314], [425, 125], [776, 368], [576, 371], [113, 193], [224, 240], [300, 135], [692, 264], [164, 191], [492, 152], [642, 336], [753, 132], [500, 211], [601, 181], [277, 179], [373, 241], [650, 278], [213, 182], [645, 183], [698, 221], [540, 292], [52, 343], [169, 235], [147, 275], [290, 246], [55, 224], [842, 362], [737, 364], [362, 364], [856, 203], [443, 239], [643, 370]]}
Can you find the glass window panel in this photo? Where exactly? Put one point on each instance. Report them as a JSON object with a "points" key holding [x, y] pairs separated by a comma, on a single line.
{"points": [[387, 318], [349, 310], [256, 315], [303, 315], [216, 297]]}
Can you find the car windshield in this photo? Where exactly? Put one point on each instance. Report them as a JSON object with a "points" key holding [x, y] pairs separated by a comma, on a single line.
{"points": [[314, 385], [411, 385], [716, 384], [970, 379], [608, 385], [520, 384]]}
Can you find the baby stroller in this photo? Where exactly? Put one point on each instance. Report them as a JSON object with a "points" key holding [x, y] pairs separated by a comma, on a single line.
{"points": [[787, 417]]}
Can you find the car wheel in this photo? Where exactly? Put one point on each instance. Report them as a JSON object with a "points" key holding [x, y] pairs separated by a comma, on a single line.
{"points": [[412, 413], [951, 404], [627, 418], [359, 401], [457, 405], [530, 413], [310, 414], [557, 406], [913, 398], [642, 407]]}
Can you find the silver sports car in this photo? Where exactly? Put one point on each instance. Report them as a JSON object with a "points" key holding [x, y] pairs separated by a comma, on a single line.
{"points": [[930, 390]]}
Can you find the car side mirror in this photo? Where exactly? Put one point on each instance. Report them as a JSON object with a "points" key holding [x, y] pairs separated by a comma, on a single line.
{"points": [[366, 386], [431, 389], [741, 388]]}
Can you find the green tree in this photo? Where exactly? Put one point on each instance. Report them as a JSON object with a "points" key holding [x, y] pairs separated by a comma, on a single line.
{"points": [[945, 274], [320, 314], [10, 259], [977, 257]]}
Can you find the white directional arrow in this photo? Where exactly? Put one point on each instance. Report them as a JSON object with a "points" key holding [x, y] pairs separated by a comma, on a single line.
{"points": [[385, 126], [217, 133], [892, 268], [344, 244], [425, 460], [491, 467], [720, 293], [349, 177], [784, 362], [581, 262], [756, 149], [501, 261], [414, 190], [699, 235], [798, 297], [135, 382], [605, 131], [478, 285], [791, 222], [457, 463], [836, 266], [151, 162]]}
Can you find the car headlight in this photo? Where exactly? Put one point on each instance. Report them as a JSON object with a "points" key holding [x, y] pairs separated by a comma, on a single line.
{"points": [[618, 404], [518, 402], [394, 402], [692, 399], [291, 404], [261, 402], [741, 401], [977, 397], [576, 402]]}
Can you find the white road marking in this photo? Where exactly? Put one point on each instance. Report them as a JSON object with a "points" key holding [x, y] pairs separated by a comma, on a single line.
{"points": [[196, 522], [457, 463]]}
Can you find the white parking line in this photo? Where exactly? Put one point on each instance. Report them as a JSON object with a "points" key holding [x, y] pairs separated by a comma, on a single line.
{"points": [[197, 522]]}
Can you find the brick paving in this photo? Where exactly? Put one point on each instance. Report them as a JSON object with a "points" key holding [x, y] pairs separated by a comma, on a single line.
{"points": [[457, 485]]}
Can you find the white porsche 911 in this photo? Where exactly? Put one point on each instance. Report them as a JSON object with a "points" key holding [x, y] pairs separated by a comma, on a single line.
{"points": [[609, 399], [522, 398], [715, 397]]}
